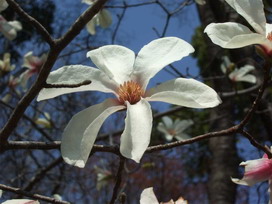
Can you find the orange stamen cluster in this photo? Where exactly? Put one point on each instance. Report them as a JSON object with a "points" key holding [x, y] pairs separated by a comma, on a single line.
{"points": [[172, 132], [269, 36], [130, 91]]}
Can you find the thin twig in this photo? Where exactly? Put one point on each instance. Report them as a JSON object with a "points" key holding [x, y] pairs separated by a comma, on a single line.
{"points": [[31, 195], [42, 172], [84, 83], [118, 180], [32, 21]]}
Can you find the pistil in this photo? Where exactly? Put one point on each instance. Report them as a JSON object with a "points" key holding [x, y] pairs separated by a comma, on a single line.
{"points": [[130, 91]]}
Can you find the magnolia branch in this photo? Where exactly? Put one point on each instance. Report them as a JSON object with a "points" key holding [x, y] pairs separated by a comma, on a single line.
{"points": [[32, 21], [84, 83], [31, 195], [53, 54], [118, 180]]}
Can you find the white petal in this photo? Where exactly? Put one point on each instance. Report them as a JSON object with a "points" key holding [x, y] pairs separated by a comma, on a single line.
{"points": [[156, 55], [245, 69], [21, 201], [105, 19], [76, 74], [247, 78], [162, 128], [168, 137], [3, 5], [252, 11], [116, 61], [167, 121], [184, 92], [89, 2], [233, 35], [91, 26], [182, 137], [200, 2], [268, 29], [136, 136], [148, 197], [182, 125], [80, 133], [225, 64], [16, 25]]}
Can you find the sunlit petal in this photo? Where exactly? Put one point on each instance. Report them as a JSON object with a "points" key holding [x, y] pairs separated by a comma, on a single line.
{"points": [[80, 133], [233, 35], [252, 11], [184, 92], [116, 61], [157, 54], [136, 136], [76, 74]]}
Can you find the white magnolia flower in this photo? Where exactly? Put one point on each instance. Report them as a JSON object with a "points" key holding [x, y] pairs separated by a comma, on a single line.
{"points": [[236, 35], [148, 197], [34, 64], [127, 78], [174, 129], [200, 2], [240, 74], [102, 18], [3, 5], [21, 201], [9, 28], [5, 65]]}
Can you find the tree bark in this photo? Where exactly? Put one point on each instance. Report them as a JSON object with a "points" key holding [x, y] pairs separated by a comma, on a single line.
{"points": [[224, 161]]}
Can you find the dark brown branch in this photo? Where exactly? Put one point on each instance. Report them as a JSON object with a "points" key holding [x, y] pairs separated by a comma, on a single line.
{"points": [[118, 180], [31, 121], [31, 195], [54, 145], [46, 68], [80, 23], [32, 21], [84, 83], [256, 144]]}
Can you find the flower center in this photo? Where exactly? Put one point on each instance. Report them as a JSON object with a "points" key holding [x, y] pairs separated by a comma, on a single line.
{"points": [[130, 91], [269, 36], [172, 132]]}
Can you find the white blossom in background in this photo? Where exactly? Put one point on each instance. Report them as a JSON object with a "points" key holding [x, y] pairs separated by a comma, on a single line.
{"points": [[238, 74], [175, 129], [44, 121], [127, 78], [200, 2], [257, 170], [9, 28], [3, 5], [57, 197], [236, 35], [102, 18], [104, 177], [21, 201], [5, 65], [148, 197], [33, 65]]}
